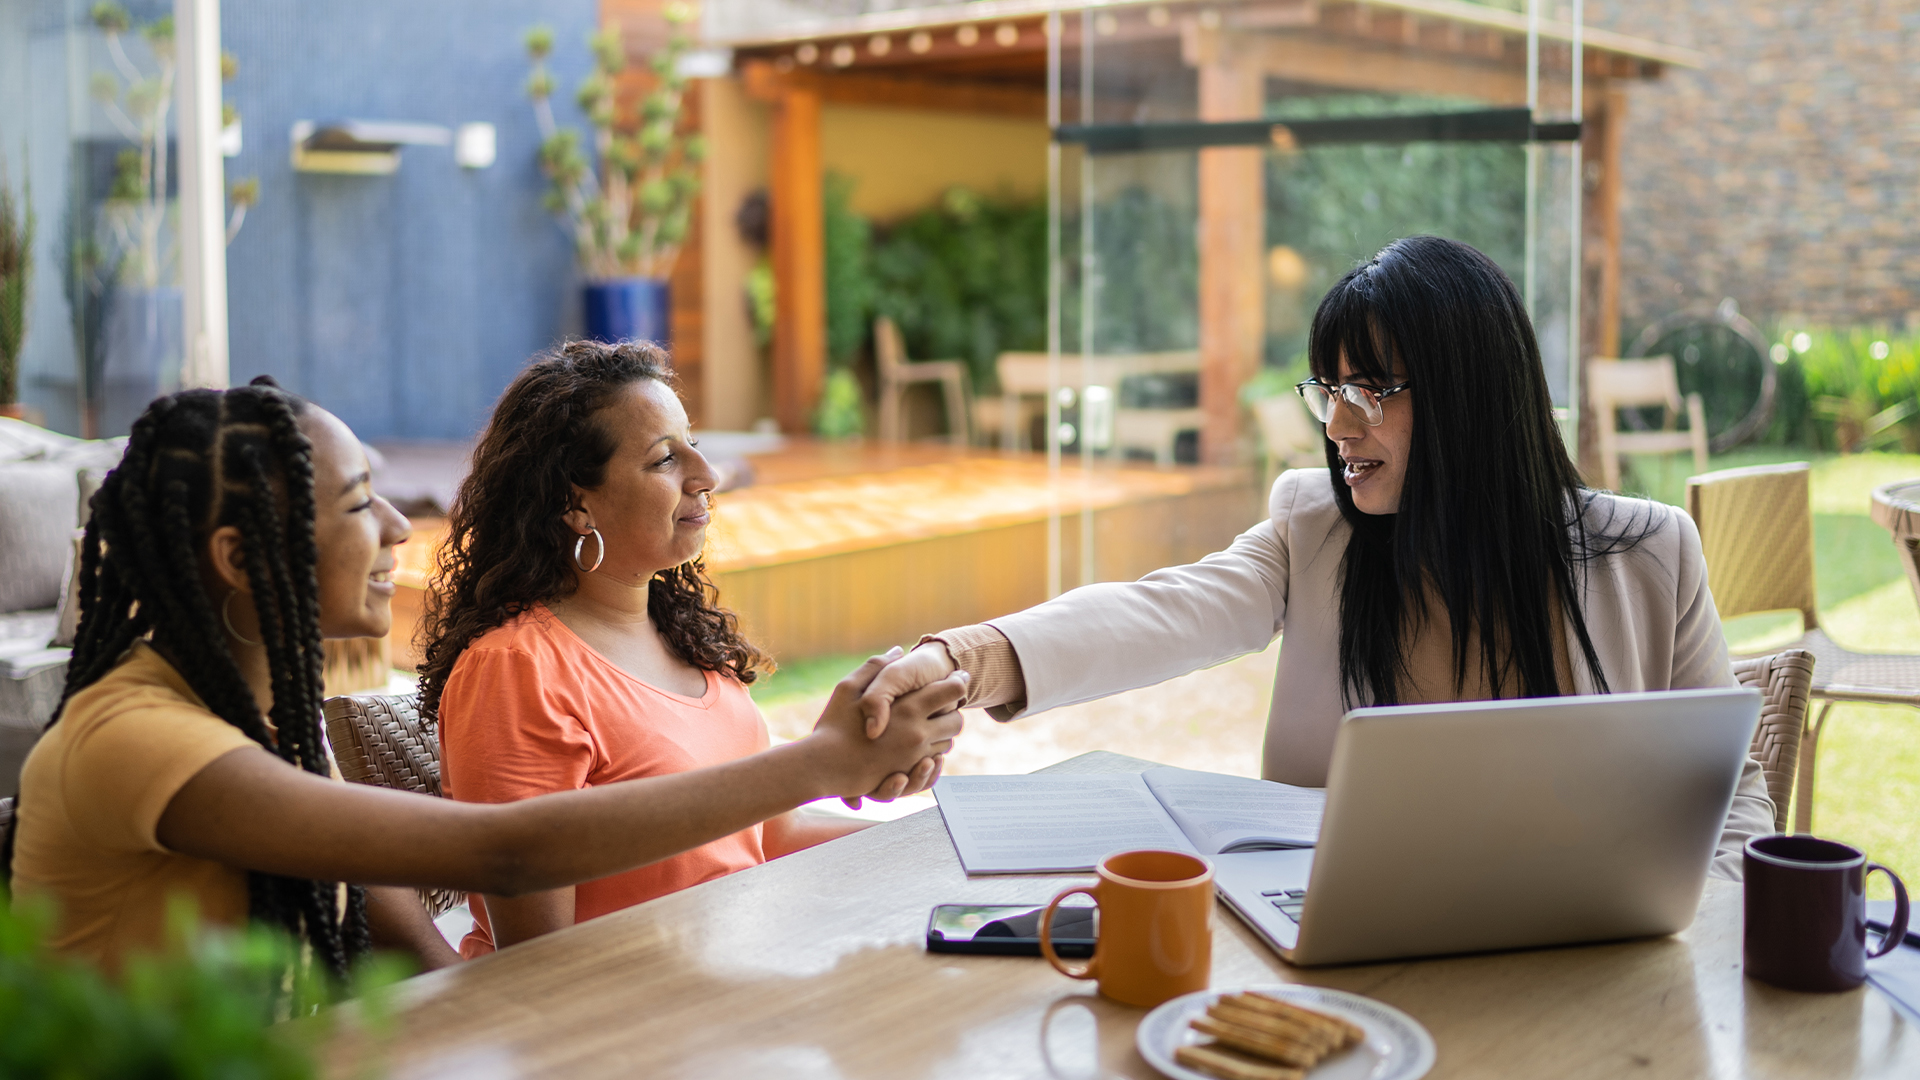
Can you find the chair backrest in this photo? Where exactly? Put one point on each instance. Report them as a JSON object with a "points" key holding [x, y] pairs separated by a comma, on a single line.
{"points": [[1785, 682], [1026, 372], [6, 814], [382, 740], [1756, 528], [1629, 384], [889, 348], [1288, 429]]}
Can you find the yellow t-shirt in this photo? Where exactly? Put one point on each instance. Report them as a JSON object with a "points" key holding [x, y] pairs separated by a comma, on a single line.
{"points": [[91, 796]]}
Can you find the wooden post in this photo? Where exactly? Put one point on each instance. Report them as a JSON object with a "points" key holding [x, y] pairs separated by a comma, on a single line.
{"points": [[1600, 144], [799, 260], [1232, 239]]}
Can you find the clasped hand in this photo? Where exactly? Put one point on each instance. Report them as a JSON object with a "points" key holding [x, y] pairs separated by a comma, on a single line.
{"points": [[892, 686], [909, 697]]}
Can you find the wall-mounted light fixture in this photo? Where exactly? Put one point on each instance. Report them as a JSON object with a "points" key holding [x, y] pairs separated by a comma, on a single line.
{"points": [[359, 147], [475, 146]]}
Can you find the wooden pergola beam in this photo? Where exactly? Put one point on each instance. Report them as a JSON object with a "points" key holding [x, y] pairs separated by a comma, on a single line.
{"points": [[798, 242], [1388, 68], [1232, 242], [767, 82]]}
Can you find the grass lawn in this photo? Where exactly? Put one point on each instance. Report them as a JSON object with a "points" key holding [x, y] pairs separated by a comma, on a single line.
{"points": [[1867, 790]]}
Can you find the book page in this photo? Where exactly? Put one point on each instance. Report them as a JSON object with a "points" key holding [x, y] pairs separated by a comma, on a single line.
{"points": [[1051, 824], [1221, 813]]}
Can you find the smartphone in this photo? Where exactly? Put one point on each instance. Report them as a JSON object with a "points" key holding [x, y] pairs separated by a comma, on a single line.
{"points": [[1010, 929]]}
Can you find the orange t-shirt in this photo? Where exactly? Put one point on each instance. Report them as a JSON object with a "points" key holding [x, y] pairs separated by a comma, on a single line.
{"points": [[531, 709]]}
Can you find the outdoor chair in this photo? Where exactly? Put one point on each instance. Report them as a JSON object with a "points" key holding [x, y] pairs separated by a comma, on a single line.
{"points": [[1289, 437], [382, 740], [1756, 528], [897, 373], [6, 814], [1784, 680], [1633, 384]]}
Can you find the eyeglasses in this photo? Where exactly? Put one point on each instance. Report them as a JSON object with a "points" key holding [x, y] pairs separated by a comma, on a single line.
{"points": [[1364, 399]]}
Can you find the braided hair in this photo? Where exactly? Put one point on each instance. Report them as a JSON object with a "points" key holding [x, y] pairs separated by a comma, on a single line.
{"points": [[501, 556], [196, 461]]}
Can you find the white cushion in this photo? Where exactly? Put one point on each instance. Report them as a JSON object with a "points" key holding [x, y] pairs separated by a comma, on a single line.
{"points": [[39, 509]]}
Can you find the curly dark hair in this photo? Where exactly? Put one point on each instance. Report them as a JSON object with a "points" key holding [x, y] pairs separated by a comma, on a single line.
{"points": [[507, 547], [196, 461]]}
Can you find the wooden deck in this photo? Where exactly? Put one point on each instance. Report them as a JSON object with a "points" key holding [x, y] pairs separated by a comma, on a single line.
{"points": [[847, 549]]}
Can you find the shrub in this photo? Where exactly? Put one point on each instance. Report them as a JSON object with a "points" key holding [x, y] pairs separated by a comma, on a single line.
{"points": [[203, 1008]]}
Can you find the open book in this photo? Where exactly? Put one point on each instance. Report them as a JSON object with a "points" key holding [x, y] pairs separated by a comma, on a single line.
{"points": [[1039, 824]]}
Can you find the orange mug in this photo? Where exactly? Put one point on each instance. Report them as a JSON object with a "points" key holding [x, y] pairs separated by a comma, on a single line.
{"points": [[1156, 927]]}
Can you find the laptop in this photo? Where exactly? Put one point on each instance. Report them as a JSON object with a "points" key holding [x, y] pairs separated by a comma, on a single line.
{"points": [[1474, 826]]}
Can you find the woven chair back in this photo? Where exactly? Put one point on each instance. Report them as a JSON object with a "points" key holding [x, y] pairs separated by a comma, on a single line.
{"points": [[1785, 682], [1756, 527], [6, 814], [382, 740]]}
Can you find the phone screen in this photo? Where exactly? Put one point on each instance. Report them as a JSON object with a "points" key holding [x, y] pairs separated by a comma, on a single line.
{"points": [[1010, 929]]}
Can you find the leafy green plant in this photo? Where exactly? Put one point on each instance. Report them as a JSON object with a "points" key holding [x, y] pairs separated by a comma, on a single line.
{"points": [[849, 271], [840, 414], [1147, 295], [629, 217], [204, 1008], [16, 273], [1861, 385], [966, 278], [137, 102]]}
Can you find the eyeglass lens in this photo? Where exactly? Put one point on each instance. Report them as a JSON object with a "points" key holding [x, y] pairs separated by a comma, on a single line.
{"points": [[1320, 398]]}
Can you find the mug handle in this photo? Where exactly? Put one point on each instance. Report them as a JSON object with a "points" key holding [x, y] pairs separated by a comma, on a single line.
{"points": [[1046, 932], [1897, 929]]}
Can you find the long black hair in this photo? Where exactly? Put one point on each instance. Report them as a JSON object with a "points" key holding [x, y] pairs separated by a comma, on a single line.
{"points": [[196, 461], [1491, 514]]}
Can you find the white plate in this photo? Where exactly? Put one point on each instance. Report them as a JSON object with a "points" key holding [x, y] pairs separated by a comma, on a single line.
{"points": [[1396, 1047]]}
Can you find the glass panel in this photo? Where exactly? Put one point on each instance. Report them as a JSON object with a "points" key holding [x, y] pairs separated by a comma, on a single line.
{"points": [[86, 135], [1222, 164]]}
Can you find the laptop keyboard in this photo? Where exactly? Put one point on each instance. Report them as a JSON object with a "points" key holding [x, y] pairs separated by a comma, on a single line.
{"points": [[1289, 901]]}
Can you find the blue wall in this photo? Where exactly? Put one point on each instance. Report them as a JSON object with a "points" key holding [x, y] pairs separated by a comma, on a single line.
{"points": [[403, 303]]}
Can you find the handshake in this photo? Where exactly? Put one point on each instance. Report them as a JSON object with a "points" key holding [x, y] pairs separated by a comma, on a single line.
{"points": [[889, 725]]}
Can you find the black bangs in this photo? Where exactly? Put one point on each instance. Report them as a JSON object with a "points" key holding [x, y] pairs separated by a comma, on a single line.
{"points": [[1488, 533], [1349, 322]]}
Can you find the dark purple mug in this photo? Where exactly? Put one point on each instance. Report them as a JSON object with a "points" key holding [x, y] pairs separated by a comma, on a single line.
{"points": [[1807, 913]]}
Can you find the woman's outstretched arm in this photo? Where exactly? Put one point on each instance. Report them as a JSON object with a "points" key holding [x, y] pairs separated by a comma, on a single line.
{"points": [[249, 809]]}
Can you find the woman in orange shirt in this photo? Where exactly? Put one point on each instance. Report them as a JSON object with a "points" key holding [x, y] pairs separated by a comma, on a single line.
{"points": [[187, 757], [574, 639]]}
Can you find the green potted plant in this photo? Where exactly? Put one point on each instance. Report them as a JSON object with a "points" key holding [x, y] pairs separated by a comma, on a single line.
{"points": [[627, 207], [143, 331], [207, 1006], [16, 272]]}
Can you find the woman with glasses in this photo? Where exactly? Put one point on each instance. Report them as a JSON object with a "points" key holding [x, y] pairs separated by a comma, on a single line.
{"points": [[1449, 552]]}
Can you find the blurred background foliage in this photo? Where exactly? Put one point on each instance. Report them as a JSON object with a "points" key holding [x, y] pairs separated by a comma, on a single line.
{"points": [[206, 1007], [964, 278]]}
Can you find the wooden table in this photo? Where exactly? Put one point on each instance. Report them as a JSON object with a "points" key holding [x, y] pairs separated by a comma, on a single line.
{"points": [[814, 966]]}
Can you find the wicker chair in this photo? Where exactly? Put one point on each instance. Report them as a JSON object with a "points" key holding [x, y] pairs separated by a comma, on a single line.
{"points": [[6, 814], [1756, 526], [383, 740], [1784, 680]]}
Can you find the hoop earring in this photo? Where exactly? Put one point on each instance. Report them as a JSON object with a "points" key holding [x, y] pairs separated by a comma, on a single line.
{"points": [[227, 618], [600, 545]]}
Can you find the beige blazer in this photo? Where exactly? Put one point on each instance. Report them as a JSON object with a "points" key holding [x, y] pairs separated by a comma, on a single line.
{"points": [[1648, 611]]}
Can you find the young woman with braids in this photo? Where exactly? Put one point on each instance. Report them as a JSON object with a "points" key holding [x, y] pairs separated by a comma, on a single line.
{"points": [[1449, 552], [574, 639], [186, 758]]}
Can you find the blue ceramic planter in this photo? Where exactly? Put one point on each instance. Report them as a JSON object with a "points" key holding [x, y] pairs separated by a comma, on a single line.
{"points": [[624, 309]]}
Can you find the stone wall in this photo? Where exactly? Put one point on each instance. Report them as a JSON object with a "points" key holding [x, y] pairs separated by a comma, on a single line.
{"points": [[1786, 173]]}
